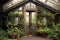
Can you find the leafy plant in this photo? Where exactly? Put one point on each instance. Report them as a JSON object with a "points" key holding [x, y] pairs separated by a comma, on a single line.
{"points": [[50, 16], [44, 29], [12, 15], [14, 30], [55, 32], [22, 33], [20, 15], [3, 35], [39, 24]]}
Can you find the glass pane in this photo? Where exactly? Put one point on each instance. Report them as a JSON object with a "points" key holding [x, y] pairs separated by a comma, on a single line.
{"points": [[11, 3], [27, 18], [52, 3], [33, 18], [30, 7], [16, 21], [14, 16]]}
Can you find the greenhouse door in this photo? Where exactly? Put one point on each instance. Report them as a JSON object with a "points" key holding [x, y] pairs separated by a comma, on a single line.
{"points": [[31, 26]]}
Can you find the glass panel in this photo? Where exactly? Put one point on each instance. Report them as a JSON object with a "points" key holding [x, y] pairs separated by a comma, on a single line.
{"points": [[42, 0], [27, 18], [52, 3], [27, 21], [14, 17], [11, 3], [33, 18], [16, 21], [30, 7]]}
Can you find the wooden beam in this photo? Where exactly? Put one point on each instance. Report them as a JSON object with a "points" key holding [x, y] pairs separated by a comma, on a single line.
{"points": [[24, 12], [30, 21]]}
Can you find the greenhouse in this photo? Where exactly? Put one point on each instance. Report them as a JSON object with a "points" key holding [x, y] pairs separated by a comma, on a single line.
{"points": [[30, 20]]}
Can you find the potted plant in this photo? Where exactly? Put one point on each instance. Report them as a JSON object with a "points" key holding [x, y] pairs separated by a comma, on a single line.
{"points": [[43, 30], [13, 31], [3, 35]]}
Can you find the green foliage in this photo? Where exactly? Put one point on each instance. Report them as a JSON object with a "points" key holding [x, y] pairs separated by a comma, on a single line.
{"points": [[50, 16], [39, 24], [3, 35], [12, 14], [20, 15], [51, 29], [55, 32], [44, 29], [57, 26], [14, 30], [22, 33]]}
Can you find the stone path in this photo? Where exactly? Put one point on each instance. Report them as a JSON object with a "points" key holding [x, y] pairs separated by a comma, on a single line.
{"points": [[34, 38]]}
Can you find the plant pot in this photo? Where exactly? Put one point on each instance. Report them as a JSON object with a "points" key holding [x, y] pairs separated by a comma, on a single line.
{"points": [[43, 34], [13, 36]]}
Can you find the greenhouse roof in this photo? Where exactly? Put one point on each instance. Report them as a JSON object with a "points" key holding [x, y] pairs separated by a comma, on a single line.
{"points": [[42, 3]]}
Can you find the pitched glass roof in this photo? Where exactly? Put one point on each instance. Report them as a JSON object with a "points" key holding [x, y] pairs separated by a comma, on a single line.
{"points": [[52, 3], [11, 3]]}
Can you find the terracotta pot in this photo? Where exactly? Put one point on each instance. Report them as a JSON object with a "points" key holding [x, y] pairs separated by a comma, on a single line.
{"points": [[42, 34], [13, 36]]}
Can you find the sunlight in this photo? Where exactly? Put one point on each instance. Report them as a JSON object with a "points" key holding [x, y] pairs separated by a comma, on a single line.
{"points": [[30, 6], [42, 0], [27, 18], [33, 17]]}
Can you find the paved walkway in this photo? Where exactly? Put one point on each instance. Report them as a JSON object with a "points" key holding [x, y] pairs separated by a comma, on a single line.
{"points": [[34, 38]]}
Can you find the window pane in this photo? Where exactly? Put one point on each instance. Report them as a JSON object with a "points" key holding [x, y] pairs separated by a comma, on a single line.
{"points": [[11, 3]]}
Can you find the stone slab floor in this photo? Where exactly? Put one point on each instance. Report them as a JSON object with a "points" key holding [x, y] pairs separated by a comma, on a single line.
{"points": [[34, 38]]}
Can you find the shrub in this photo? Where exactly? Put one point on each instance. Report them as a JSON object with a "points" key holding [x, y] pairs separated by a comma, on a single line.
{"points": [[22, 33], [3, 35], [55, 32]]}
